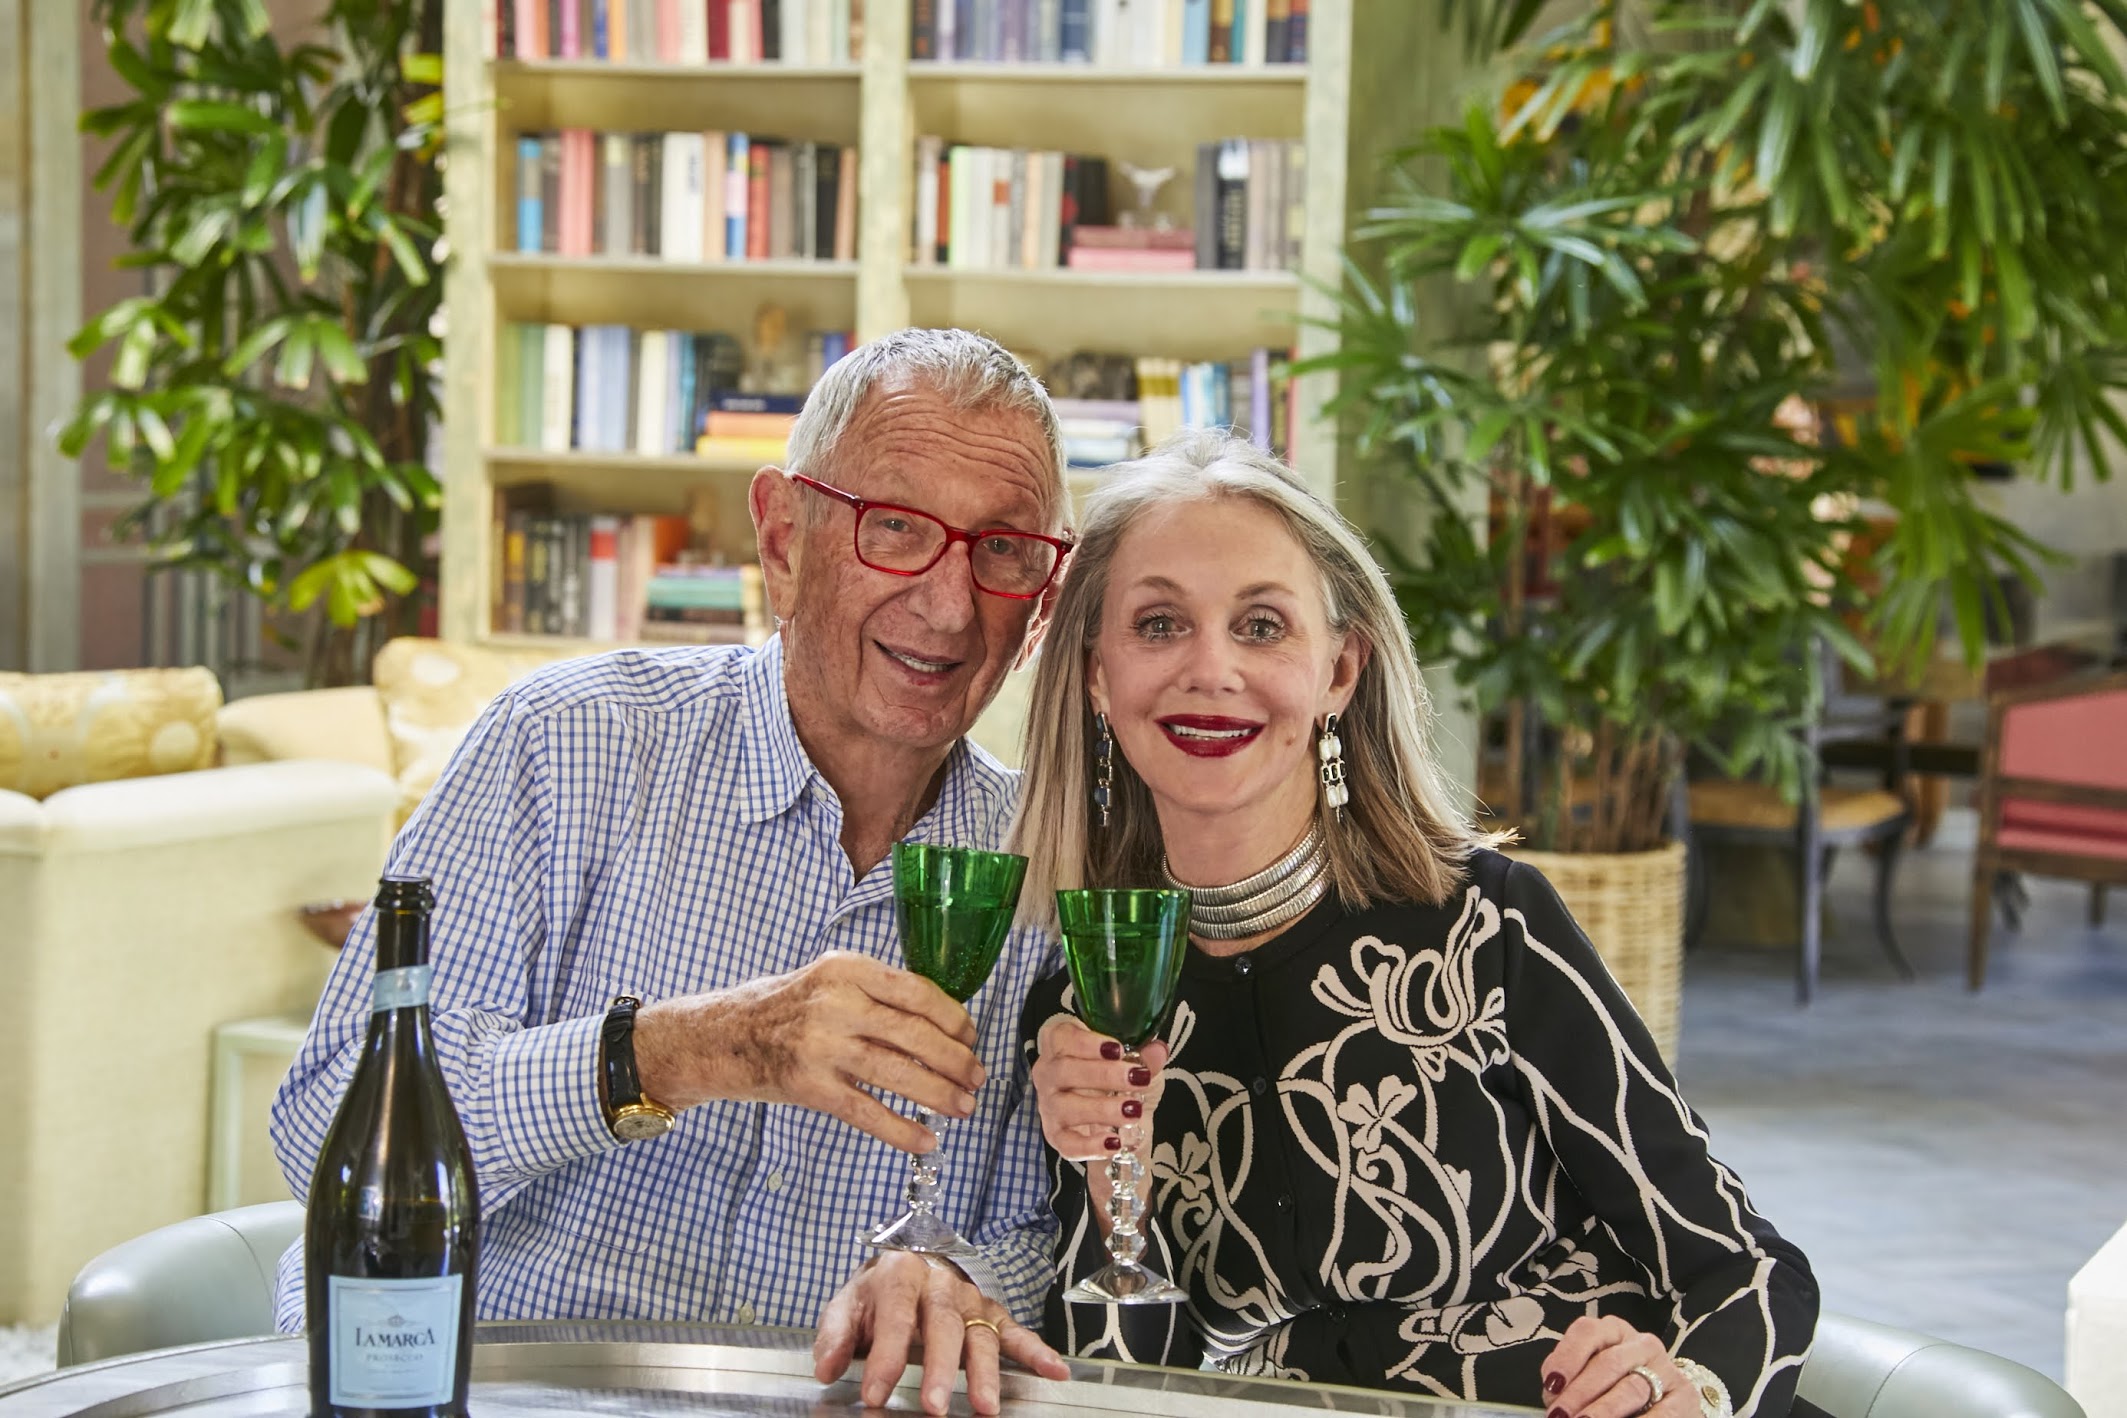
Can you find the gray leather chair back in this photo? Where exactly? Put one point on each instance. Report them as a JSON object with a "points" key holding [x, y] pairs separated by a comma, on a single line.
{"points": [[1859, 1369], [194, 1282]]}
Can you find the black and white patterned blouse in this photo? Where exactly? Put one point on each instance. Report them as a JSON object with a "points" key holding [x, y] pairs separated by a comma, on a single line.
{"points": [[1406, 1147]]}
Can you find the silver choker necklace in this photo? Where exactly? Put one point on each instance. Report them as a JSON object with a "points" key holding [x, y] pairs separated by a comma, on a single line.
{"points": [[1281, 892]]}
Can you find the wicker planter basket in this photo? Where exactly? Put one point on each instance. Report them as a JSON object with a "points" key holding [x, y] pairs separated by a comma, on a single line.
{"points": [[1631, 904]]}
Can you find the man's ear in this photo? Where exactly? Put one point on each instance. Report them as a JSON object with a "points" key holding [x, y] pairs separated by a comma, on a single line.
{"points": [[1038, 623], [772, 498]]}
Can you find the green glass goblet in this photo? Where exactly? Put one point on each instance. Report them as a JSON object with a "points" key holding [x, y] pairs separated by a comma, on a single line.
{"points": [[1124, 950], [956, 906]]}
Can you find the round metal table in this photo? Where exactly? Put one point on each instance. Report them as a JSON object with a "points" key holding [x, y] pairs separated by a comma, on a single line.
{"points": [[649, 1368]]}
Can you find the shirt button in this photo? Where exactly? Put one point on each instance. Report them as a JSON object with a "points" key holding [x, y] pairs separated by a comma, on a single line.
{"points": [[745, 1314], [1284, 1201], [1261, 1086], [1336, 1314], [774, 1181], [1242, 965]]}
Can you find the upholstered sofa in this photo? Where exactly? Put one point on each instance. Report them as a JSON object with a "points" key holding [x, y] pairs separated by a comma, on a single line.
{"points": [[146, 896], [423, 697]]}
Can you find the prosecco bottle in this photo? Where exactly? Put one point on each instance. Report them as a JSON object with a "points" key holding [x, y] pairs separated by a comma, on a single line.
{"points": [[392, 1233]]}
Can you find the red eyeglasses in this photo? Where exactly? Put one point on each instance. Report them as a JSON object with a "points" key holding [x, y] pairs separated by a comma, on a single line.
{"points": [[902, 541]]}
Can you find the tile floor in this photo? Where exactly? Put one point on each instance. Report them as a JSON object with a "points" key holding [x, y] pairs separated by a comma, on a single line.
{"points": [[1946, 1159]]}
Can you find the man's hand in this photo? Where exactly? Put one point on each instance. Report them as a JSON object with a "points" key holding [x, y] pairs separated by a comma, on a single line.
{"points": [[811, 1037], [899, 1302]]}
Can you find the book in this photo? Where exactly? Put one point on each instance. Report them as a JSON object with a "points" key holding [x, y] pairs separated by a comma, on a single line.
{"points": [[723, 423], [1118, 258], [733, 402], [602, 579], [846, 206], [531, 219], [738, 189], [655, 346], [757, 213], [1135, 238]]}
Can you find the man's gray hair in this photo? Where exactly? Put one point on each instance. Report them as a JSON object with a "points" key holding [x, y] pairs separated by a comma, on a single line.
{"points": [[971, 372]]}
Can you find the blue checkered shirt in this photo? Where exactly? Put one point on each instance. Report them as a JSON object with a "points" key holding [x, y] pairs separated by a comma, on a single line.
{"points": [[646, 822]]}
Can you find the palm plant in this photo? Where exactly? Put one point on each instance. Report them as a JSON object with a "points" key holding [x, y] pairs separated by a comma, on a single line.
{"points": [[276, 389], [1662, 237]]}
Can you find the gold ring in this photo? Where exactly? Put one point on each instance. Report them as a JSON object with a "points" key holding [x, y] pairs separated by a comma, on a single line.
{"points": [[990, 1325]]}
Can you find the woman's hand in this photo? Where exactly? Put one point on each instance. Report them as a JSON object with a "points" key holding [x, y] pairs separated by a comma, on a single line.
{"points": [[1088, 1094], [1589, 1374]]}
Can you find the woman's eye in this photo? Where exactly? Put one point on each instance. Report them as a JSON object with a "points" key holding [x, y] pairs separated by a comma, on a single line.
{"points": [[1262, 627], [1155, 626]]}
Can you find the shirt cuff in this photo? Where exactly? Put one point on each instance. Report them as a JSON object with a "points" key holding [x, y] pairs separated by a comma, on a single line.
{"points": [[980, 1274], [544, 1087]]}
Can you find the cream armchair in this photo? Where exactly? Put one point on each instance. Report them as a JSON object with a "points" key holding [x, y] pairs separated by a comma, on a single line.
{"points": [[136, 916]]}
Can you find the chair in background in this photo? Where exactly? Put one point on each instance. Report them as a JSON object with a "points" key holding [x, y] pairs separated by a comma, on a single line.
{"points": [[201, 1280], [1747, 813], [2052, 794], [1858, 1369]]}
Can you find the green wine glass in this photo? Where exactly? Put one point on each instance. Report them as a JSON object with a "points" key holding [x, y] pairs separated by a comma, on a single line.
{"points": [[1124, 950], [956, 906]]}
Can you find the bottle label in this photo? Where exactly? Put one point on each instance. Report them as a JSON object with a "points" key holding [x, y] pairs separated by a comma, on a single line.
{"points": [[394, 1342], [401, 989]]}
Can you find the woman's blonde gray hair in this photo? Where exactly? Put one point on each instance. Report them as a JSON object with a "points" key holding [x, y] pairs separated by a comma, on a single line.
{"points": [[1402, 837]]}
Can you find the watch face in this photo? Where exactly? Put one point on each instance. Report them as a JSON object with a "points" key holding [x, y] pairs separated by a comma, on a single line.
{"points": [[637, 1123]]}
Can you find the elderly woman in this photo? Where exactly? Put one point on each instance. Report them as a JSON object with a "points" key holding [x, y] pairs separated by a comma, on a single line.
{"points": [[1405, 1131]]}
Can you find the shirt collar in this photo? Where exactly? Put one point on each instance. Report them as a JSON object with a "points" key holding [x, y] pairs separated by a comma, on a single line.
{"points": [[974, 802], [780, 769]]}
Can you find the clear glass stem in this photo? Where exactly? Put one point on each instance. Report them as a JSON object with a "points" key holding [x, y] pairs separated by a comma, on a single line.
{"points": [[923, 1166], [1126, 1243]]}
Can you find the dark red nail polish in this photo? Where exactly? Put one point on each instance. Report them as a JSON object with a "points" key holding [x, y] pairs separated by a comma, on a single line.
{"points": [[1557, 1413], [1114, 1144], [1140, 1078], [1132, 1108], [1554, 1383], [1111, 1051]]}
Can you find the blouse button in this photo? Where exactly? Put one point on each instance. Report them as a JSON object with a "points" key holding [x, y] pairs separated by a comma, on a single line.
{"points": [[1261, 1086], [1284, 1201], [1242, 965]]}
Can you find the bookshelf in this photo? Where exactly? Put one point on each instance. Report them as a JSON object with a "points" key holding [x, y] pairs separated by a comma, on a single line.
{"points": [[880, 104]]}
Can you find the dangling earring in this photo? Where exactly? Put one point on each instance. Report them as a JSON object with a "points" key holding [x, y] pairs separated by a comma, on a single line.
{"points": [[1103, 769], [1330, 749]]}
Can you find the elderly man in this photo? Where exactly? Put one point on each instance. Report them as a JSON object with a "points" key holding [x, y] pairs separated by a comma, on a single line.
{"points": [[706, 831]]}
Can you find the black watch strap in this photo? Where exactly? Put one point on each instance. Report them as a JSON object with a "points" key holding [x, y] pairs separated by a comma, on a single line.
{"points": [[617, 1049], [630, 1116]]}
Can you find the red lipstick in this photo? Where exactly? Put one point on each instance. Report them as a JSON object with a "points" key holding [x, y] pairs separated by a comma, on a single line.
{"points": [[1209, 735]]}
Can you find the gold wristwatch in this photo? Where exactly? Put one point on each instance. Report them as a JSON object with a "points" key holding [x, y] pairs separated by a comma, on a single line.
{"points": [[631, 1116]]}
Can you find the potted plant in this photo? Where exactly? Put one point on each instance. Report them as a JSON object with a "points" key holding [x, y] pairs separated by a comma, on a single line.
{"points": [[1654, 247], [276, 387]]}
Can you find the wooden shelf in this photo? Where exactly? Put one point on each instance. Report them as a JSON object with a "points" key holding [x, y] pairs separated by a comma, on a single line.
{"points": [[654, 294], [1184, 314], [658, 268], [1199, 282], [509, 70], [1153, 117], [794, 101], [944, 71], [509, 463]]}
